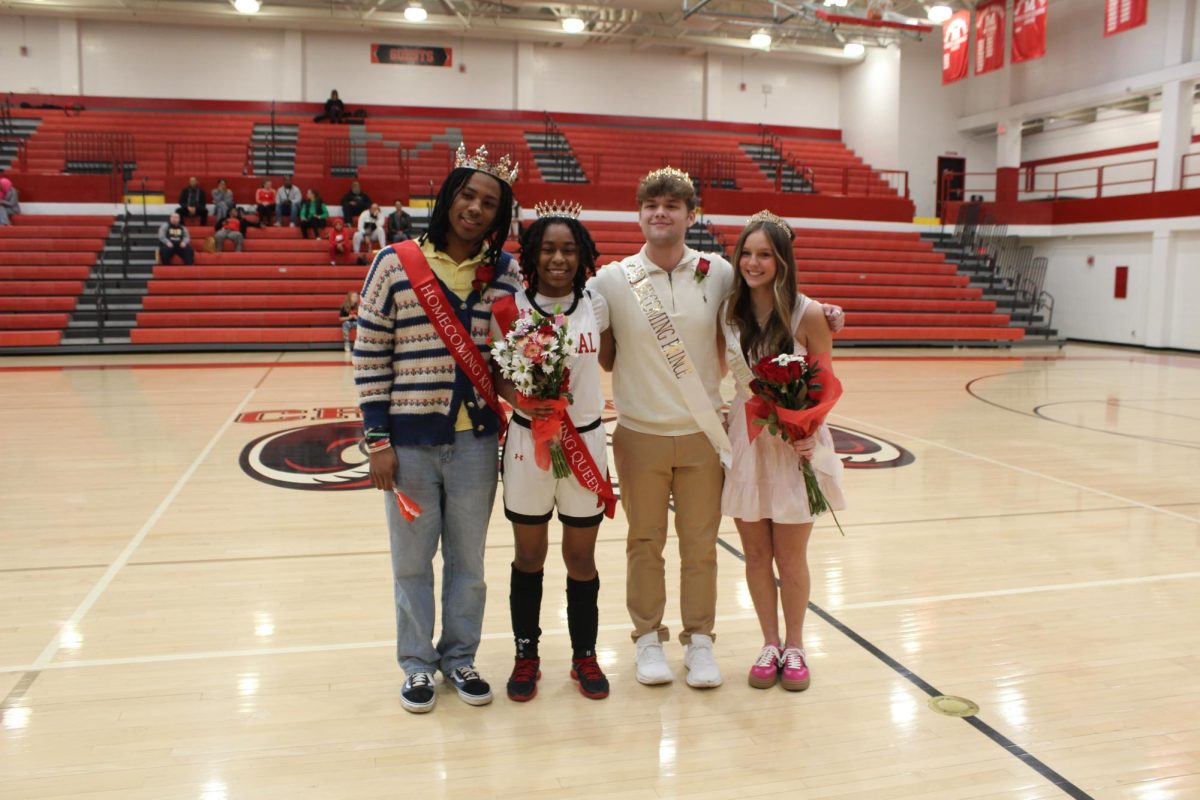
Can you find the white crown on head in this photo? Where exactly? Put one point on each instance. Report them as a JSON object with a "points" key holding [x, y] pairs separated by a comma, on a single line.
{"points": [[503, 169], [667, 172], [558, 208], [767, 217]]}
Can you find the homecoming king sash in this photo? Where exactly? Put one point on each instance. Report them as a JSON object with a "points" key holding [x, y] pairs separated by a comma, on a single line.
{"points": [[456, 338], [579, 458], [678, 361]]}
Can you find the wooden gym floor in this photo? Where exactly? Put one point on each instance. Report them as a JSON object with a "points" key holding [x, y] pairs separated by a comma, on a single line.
{"points": [[1027, 537]]}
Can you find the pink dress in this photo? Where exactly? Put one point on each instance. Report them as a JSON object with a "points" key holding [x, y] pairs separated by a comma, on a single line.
{"points": [[764, 480]]}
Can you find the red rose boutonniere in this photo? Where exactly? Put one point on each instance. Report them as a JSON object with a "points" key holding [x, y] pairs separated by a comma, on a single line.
{"points": [[701, 270], [484, 274]]}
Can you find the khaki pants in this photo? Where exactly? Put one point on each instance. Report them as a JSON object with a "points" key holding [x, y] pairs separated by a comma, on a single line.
{"points": [[652, 470]]}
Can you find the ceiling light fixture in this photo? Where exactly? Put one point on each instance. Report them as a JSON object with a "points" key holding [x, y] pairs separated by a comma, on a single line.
{"points": [[854, 50], [761, 40], [573, 24], [247, 6], [939, 14], [415, 13], [838, 3]]}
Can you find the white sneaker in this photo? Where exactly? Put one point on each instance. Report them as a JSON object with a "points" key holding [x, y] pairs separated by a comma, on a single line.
{"points": [[652, 666], [703, 672]]}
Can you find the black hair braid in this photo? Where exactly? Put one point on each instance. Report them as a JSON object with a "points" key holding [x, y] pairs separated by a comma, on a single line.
{"points": [[531, 247]]}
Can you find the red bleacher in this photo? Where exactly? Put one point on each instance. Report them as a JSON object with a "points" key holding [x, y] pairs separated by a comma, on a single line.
{"points": [[44, 263], [894, 287]]}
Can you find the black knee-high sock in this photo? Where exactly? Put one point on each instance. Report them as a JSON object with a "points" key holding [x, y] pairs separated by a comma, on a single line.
{"points": [[583, 617], [525, 605]]}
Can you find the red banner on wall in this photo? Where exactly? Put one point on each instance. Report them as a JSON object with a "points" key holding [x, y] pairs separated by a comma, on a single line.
{"points": [[989, 36], [1029, 30], [955, 35], [1123, 15]]}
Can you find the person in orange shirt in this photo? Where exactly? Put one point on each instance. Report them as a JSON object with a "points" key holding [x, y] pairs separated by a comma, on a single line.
{"points": [[264, 198]]}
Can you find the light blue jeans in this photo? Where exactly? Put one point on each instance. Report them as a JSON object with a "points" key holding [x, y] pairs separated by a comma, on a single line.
{"points": [[455, 485]]}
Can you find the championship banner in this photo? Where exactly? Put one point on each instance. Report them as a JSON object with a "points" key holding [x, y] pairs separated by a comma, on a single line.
{"points": [[989, 36], [1029, 30], [955, 35], [1123, 15], [411, 55]]}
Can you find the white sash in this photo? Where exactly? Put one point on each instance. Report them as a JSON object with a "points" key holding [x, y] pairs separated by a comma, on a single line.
{"points": [[678, 361]]}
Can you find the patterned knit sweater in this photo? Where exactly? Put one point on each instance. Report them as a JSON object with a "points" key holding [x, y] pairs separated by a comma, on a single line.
{"points": [[407, 380]]}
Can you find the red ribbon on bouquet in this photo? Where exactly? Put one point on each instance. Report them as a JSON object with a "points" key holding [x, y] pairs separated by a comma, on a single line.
{"points": [[545, 431], [799, 423]]}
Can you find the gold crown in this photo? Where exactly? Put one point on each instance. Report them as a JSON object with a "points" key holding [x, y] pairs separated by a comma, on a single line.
{"points": [[503, 169], [770, 219], [558, 208], [667, 172]]}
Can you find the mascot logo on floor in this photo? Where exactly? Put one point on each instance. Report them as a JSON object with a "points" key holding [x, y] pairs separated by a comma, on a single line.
{"points": [[329, 456], [324, 457], [863, 451]]}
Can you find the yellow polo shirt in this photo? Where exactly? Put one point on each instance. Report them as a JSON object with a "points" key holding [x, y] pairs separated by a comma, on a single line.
{"points": [[458, 278]]}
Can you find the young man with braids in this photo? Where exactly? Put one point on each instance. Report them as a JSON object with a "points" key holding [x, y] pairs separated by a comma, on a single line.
{"points": [[431, 416], [670, 443], [557, 258]]}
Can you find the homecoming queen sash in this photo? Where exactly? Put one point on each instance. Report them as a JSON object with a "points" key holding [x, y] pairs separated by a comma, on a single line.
{"points": [[678, 361], [456, 338]]}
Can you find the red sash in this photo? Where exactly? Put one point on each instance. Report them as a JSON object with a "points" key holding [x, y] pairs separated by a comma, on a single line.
{"points": [[456, 338], [579, 458]]}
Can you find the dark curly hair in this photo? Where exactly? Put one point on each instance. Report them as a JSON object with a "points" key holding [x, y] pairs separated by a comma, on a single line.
{"points": [[531, 246], [439, 220]]}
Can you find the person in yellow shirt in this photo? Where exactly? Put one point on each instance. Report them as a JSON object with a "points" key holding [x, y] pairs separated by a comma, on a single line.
{"points": [[430, 431]]}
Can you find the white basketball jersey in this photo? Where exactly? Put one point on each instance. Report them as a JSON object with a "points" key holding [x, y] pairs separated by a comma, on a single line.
{"points": [[587, 399]]}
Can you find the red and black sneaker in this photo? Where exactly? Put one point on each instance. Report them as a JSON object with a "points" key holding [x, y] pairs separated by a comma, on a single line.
{"points": [[592, 683], [522, 684]]}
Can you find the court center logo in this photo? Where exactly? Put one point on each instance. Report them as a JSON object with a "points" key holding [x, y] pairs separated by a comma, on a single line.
{"points": [[327, 453], [328, 456]]}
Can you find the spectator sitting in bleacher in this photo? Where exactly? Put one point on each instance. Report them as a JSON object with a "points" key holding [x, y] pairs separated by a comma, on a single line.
{"points": [[287, 200], [339, 242], [222, 199], [370, 226], [9, 204], [335, 110], [313, 213], [348, 316], [191, 201], [264, 200], [399, 225], [234, 229], [354, 202], [174, 240]]}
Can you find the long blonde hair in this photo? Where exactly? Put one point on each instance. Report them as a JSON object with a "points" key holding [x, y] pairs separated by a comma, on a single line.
{"points": [[777, 335]]}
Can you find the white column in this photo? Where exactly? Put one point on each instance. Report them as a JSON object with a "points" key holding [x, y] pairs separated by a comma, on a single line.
{"points": [[711, 107], [524, 90], [1177, 43], [1175, 133], [1160, 299], [293, 68], [70, 78]]}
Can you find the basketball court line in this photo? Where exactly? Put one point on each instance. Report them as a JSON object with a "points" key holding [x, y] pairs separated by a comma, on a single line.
{"points": [[342, 362], [1043, 476], [870, 604], [602, 539], [109, 574], [1027, 758]]}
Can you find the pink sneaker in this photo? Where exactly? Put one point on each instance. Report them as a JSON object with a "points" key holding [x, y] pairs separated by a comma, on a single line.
{"points": [[765, 672], [795, 670]]}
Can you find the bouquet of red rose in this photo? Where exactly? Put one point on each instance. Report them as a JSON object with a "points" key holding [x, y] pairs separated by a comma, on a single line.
{"points": [[533, 355], [792, 397]]}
